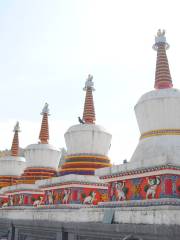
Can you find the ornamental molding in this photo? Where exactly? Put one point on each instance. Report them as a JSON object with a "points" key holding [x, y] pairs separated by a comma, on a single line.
{"points": [[161, 132], [161, 170]]}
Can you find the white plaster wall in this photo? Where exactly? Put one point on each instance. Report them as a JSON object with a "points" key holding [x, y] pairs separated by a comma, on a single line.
{"points": [[158, 109], [157, 150], [68, 178], [168, 215], [19, 187], [87, 138], [12, 166], [42, 155]]}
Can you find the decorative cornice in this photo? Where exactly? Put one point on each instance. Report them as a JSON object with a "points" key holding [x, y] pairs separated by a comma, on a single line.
{"points": [[74, 184], [159, 170]]}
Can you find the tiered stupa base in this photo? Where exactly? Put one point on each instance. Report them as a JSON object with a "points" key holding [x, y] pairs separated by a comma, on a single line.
{"points": [[23, 195], [143, 186], [83, 164], [7, 180], [30, 175], [73, 189]]}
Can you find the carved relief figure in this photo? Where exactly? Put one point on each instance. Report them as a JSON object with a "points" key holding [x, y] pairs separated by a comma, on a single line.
{"points": [[66, 197], [90, 199], [153, 184]]}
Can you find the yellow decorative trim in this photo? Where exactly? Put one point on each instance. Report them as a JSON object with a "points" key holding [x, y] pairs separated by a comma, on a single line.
{"points": [[87, 156], [93, 163], [77, 169], [160, 132]]}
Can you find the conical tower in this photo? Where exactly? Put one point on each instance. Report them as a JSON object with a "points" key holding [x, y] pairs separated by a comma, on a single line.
{"points": [[15, 143], [42, 158], [44, 132], [87, 143], [162, 75], [89, 111]]}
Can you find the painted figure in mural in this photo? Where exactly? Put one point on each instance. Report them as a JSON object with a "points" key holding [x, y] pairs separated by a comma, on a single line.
{"points": [[90, 199], [50, 197], [66, 197], [11, 203], [38, 202], [5, 205], [120, 195], [153, 184], [21, 199]]}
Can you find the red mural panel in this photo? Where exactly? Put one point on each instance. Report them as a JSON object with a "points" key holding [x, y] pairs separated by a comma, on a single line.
{"points": [[168, 186], [142, 188], [178, 186], [90, 196]]}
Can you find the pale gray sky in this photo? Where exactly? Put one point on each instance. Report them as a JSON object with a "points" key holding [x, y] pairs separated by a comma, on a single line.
{"points": [[48, 47]]}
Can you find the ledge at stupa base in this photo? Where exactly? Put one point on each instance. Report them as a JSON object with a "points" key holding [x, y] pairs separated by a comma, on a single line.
{"points": [[73, 189], [22, 195], [155, 183]]}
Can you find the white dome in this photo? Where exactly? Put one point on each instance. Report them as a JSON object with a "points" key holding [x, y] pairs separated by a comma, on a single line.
{"points": [[88, 139], [42, 155], [12, 166], [158, 109]]}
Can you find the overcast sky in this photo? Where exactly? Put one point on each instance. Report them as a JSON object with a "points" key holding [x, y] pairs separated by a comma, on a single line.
{"points": [[48, 47]]}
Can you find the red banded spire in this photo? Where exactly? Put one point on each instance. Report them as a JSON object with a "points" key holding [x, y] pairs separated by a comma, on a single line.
{"points": [[15, 143], [89, 112], [44, 132], [162, 76]]}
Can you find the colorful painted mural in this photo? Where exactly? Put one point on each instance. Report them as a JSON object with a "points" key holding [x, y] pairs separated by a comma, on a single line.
{"points": [[25, 199], [145, 188], [3, 201], [75, 195]]}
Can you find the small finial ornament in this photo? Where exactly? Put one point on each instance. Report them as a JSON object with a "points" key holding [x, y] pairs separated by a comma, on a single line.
{"points": [[16, 127], [89, 83], [160, 38], [45, 109]]}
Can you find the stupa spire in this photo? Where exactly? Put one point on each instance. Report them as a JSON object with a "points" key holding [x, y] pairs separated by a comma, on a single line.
{"points": [[162, 75], [44, 132], [89, 112], [15, 142]]}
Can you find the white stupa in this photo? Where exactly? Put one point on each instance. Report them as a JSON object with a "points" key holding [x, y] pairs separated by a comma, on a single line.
{"points": [[42, 158], [158, 116], [87, 143], [11, 167]]}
